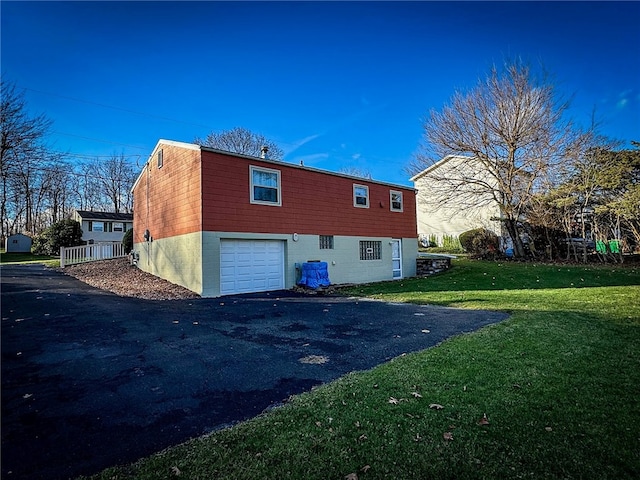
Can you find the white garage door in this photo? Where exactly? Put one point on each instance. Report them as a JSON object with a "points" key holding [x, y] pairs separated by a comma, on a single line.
{"points": [[251, 266]]}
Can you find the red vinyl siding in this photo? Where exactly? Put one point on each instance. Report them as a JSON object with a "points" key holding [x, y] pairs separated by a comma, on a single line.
{"points": [[312, 202], [167, 199]]}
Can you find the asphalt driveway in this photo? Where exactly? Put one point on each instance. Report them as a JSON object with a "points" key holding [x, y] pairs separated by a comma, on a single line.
{"points": [[91, 380]]}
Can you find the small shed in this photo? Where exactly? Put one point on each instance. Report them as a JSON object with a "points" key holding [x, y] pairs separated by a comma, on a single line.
{"points": [[18, 243]]}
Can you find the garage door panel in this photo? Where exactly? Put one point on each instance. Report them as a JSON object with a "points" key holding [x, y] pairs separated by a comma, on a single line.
{"points": [[251, 266]]}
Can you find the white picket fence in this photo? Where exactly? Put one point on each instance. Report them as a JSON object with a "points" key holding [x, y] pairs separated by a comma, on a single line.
{"points": [[90, 253]]}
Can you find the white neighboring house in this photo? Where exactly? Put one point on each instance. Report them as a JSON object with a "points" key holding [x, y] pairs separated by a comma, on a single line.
{"points": [[453, 215], [103, 227]]}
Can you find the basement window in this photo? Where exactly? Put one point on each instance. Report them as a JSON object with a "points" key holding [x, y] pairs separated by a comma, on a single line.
{"points": [[326, 242], [370, 250], [265, 186]]}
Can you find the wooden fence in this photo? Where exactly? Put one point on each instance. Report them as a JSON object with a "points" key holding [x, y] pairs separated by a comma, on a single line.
{"points": [[90, 253]]}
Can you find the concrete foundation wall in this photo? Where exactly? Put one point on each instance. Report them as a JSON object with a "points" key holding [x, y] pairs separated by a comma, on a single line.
{"points": [[176, 259], [193, 260]]}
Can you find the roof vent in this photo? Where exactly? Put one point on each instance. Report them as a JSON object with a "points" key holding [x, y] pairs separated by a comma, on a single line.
{"points": [[264, 152]]}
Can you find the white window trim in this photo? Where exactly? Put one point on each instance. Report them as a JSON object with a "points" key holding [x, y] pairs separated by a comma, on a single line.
{"points": [[355, 204], [160, 158], [253, 168], [401, 209]]}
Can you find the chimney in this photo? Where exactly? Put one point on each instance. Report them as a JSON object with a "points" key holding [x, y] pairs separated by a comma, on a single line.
{"points": [[263, 152]]}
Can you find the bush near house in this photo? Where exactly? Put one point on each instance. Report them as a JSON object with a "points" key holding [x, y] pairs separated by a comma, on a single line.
{"points": [[451, 243], [66, 233], [479, 241], [127, 241]]}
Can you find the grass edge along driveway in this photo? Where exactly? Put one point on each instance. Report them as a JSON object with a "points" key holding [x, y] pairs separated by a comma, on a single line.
{"points": [[553, 392]]}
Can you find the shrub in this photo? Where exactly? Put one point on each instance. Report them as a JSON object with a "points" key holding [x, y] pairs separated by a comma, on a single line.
{"points": [[479, 241], [127, 240], [66, 233], [451, 243]]}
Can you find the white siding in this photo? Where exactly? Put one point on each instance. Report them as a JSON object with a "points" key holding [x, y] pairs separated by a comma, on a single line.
{"points": [[440, 213]]}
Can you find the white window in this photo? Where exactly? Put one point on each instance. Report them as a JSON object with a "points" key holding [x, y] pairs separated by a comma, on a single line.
{"points": [[395, 200], [360, 196], [265, 186], [118, 227], [96, 227], [160, 159]]}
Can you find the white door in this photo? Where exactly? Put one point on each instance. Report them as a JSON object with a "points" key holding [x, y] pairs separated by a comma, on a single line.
{"points": [[396, 258], [251, 266]]}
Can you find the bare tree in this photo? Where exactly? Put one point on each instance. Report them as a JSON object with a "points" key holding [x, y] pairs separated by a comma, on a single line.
{"points": [[356, 172], [86, 187], [59, 196], [23, 155], [243, 141], [115, 177], [510, 133]]}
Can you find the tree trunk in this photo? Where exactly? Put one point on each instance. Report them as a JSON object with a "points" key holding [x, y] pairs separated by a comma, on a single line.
{"points": [[583, 234], [549, 248], [512, 229]]}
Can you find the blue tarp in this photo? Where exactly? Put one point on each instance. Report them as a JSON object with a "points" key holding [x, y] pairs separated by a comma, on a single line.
{"points": [[314, 275]]}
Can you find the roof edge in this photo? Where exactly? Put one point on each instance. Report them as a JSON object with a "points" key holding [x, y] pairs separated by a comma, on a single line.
{"points": [[304, 167], [193, 146], [438, 164]]}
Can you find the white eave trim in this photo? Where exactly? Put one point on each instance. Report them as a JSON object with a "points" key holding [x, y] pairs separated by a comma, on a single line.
{"points": [[161, 142]]}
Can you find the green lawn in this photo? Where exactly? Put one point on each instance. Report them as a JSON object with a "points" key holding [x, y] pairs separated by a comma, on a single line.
{"points": [[552, 392], [6, 258]]}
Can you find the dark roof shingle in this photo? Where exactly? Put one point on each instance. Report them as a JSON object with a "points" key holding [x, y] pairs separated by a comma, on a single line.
{"points": [[109, 216]]}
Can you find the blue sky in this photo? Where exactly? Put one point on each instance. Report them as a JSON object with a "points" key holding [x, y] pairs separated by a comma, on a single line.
{"points": [[336, 84]]}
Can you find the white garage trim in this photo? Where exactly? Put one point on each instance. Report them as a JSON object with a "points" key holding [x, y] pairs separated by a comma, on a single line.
{"points": [[251, 266]]}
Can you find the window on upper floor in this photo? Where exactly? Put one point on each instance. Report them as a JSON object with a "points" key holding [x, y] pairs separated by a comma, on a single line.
{"points": [[395, 201], [360, 196], [265, 186], [160, 159], [96, 226]]}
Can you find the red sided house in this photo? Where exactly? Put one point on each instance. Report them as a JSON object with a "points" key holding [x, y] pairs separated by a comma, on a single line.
{"points": [[220, 223]]}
